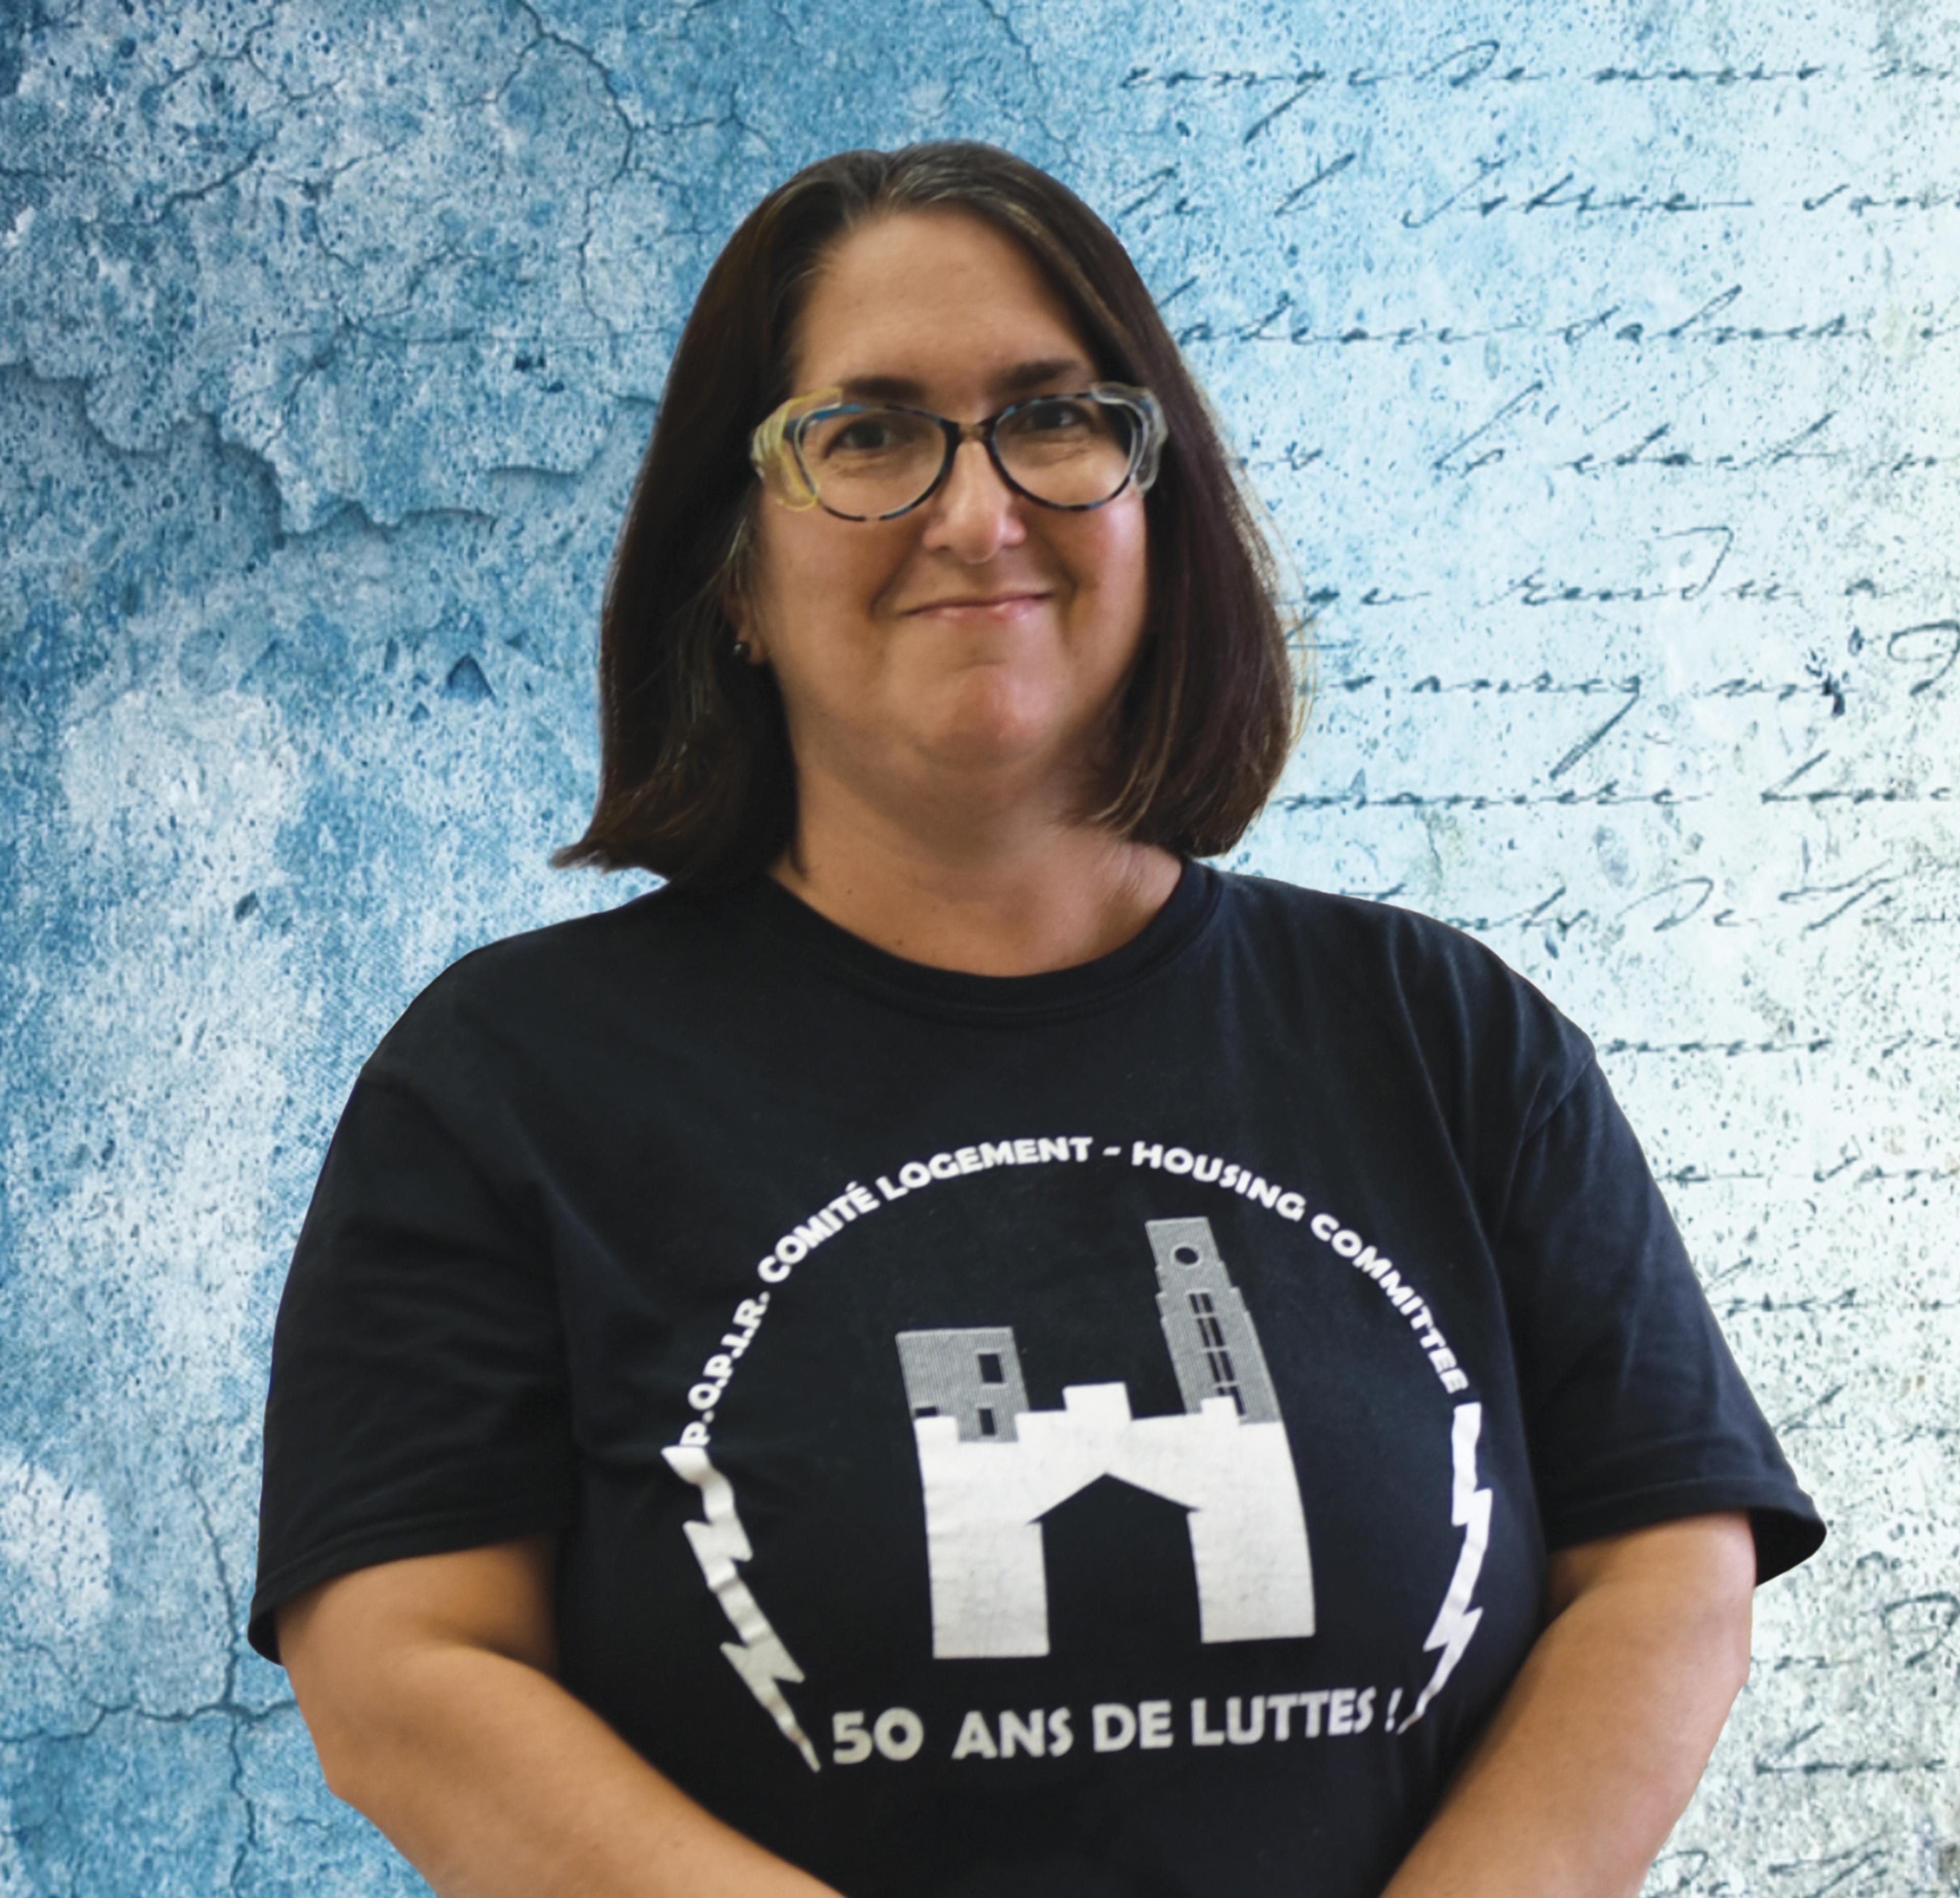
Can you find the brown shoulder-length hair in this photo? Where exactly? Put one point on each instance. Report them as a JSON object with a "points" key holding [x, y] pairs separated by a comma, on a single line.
{"points": [[696, 781]]}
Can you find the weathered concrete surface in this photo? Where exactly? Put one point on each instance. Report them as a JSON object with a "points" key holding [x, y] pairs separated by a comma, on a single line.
{"points": [[1601, 365]]}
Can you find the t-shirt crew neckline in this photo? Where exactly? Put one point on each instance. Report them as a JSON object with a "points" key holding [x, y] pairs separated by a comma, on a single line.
{"points": [[803, 933]]}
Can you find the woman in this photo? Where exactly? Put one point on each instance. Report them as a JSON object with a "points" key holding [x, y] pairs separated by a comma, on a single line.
{"points": [[952, 1349]]}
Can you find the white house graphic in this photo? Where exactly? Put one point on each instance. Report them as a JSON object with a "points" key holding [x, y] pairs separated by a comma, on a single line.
{"points": [[991, 1469]]}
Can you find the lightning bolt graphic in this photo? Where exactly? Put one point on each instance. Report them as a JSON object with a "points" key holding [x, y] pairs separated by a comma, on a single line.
{"points": [[1470, 1510], [719, 1543]]}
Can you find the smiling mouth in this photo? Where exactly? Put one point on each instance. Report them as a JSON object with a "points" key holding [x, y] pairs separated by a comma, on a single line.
{"points": [[992, 603]]}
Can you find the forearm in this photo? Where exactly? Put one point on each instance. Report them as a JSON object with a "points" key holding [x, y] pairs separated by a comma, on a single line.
{"points": [[428, 1687], [496, 1783], [1595, 1750]]}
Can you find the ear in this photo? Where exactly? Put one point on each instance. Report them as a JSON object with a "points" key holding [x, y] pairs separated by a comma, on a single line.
{"points": [[734, 598], [743, 623]]}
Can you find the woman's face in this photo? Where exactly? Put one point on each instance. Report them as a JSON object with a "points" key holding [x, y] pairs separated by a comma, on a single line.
{"points": [[982, 634]]}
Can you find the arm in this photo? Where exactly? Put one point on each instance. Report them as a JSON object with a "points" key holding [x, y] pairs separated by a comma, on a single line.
{"points": [[1595, 1751], [428, 1687]]}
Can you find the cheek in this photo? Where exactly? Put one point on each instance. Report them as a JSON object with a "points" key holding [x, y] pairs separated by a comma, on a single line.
{"points": [[1122, 573], [812, 580], [780, 579]]}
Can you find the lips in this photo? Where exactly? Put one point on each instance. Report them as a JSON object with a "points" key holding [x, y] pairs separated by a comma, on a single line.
{"points": [[977, 602]]}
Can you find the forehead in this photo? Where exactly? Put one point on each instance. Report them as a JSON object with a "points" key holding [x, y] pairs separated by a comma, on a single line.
{"points": [[940, 300]]}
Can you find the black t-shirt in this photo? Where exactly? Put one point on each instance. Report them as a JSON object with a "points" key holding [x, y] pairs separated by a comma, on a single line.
{"points": [[1090, 1433]]}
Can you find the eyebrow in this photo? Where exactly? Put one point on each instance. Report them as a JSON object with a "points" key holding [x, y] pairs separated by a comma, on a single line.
{"points": [[1018, 381]]}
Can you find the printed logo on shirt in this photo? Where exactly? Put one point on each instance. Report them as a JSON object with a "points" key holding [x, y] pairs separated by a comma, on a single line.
{"points": [[992, 1470]]}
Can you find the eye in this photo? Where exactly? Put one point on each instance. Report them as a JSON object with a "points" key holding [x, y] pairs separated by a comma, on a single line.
{"points": [[1050, 414], [865, 436], [861, 435]]}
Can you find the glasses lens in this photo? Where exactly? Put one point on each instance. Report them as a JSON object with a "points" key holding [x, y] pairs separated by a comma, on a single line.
{"points": [[1069, 450], [871, 461]]}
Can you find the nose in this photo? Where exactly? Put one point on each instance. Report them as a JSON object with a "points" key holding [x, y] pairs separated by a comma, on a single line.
{"points": [[975, 515]]}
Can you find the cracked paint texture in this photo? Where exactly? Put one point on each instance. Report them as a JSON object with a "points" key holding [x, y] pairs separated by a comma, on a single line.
{"points": [[1601, 368]]}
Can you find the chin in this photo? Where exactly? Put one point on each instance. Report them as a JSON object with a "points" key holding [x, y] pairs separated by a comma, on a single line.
{"points": [[995, 720], [976, 748]]}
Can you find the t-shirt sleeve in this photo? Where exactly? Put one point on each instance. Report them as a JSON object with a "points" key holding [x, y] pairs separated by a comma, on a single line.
{"points": [[418, 1402], [1635, 1411]]}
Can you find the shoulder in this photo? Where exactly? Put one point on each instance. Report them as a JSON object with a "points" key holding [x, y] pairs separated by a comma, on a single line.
{"points": [[1356, 924], [561, 985], [1374, 946], [1415, 984]]}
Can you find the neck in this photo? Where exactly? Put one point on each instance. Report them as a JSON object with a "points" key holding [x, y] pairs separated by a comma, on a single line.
{"points": [[993, 887]]}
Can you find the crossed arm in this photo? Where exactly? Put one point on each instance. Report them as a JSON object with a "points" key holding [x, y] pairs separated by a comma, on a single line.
{"points": [[428, 1687]]}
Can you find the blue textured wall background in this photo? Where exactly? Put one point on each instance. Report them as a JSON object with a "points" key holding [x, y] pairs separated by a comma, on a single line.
{"points": [[1598, 363]]}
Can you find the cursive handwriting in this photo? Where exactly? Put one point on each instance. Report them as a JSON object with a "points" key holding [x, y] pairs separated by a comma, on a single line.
{"points": [[1477, 197]]}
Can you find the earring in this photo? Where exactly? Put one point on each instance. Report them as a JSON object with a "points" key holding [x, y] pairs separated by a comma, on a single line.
{"points": [[741, 649]]}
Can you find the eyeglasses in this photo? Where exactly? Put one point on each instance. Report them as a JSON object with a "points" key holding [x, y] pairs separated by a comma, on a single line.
{"points": [[863, 461]]}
